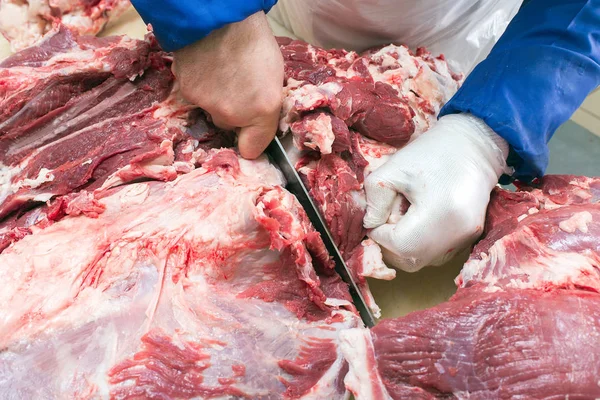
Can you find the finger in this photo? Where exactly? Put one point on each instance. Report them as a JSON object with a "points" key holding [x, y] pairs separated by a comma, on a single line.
{"points": [[412, 243], [381, 196], [254, 139], [220, 123]]}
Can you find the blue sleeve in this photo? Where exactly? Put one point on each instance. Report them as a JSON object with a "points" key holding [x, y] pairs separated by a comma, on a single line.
{"points": [[177, 23], [535, 77]]}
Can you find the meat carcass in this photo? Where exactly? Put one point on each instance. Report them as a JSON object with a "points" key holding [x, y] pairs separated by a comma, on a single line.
{"points": [[525, 322], [83, 112], [212, 285], [23, 23], [347, 113]]}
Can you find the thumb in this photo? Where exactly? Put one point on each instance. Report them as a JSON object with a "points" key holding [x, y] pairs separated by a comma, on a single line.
{"points": [[382, 194], [254, 139]]}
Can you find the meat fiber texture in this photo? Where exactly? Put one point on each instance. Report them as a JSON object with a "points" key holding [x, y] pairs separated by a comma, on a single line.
{"points": [[212, 285], [24, 23], [525, 322], [84, 113], [347, 114], [141, 257]]}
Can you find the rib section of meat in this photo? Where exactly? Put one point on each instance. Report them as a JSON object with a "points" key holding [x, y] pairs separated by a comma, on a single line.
{"points": [[86, 113], [524, 322], [24, 23], [213, 285], [346, 114]]}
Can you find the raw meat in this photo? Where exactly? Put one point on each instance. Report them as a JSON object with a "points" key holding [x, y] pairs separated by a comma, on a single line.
{"points": [[347, 113], [551, 238], [23, 23], [212, 285], [525, 321], [82, 112], [512, 344]]}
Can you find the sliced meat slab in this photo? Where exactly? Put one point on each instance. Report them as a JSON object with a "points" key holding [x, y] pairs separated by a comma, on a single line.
{"points": [[212, 285], [82, 112], [512, 344]]}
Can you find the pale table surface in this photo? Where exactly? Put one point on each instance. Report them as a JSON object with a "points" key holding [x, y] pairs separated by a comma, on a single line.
{"points": [[406, 293]]}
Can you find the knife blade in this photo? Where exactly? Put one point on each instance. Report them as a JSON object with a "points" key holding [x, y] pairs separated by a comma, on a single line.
{"points": [[279, 157]]}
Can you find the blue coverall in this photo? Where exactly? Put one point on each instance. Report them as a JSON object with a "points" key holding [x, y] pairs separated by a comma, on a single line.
{"points": [[535, 77]]}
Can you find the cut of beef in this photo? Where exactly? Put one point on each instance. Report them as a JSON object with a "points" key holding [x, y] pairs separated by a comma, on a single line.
{"points": [[82, 112], [347, 113], [524, 322], [212, 285], [550, 237], [512, 344], [23, 23]]}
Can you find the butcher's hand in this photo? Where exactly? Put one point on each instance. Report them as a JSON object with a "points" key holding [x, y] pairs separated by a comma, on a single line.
{"points": [[447, 175], [236, 75]]}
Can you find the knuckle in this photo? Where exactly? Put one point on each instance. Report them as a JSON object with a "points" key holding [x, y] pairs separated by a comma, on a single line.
{"points": [[267, 106], [467, 218], [226, 112]]}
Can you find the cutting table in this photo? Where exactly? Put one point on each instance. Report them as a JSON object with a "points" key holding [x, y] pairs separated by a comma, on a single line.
{"points": [[406, 293]]}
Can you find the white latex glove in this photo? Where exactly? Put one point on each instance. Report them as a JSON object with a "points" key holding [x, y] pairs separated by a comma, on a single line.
{"points": [[447, 175]]}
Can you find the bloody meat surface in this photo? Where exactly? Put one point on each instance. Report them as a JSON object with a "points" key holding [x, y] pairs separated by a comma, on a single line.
{"points": [[143, 258], [214, 284], [525, 320]]}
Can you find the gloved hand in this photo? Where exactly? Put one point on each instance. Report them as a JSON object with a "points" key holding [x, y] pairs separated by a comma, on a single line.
{"points": [[447, 175], [236, 75]]}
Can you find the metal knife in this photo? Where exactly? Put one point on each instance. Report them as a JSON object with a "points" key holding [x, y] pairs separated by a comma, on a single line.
{"points": [[278, 156]]}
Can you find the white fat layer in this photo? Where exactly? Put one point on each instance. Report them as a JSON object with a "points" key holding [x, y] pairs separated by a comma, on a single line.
{"points": [[307, 97], [43, 197], [363, 379], [45, 175], [326, 387], [21, 24], [578, 221], [373, 265], [370, 300], [338, 303], [375, 153], [320, 134], [548, 267], [8, 187]]}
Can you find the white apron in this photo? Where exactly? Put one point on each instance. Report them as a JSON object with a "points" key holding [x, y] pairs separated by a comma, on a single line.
{"points": [[463, 30]]}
